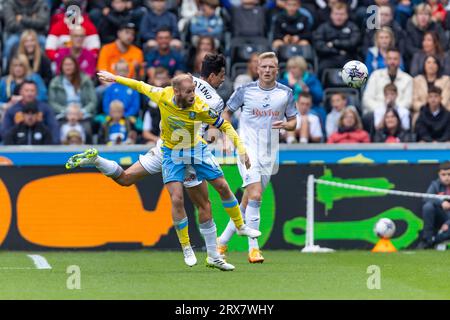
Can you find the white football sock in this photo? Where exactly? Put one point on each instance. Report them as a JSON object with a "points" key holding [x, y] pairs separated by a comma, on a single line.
{"points": [[108, 167], [230, 229], [252, 218], [209, 232]]}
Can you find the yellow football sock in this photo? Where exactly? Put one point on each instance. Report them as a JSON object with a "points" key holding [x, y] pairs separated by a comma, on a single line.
{"points": [[232, 208], [181, 227]]}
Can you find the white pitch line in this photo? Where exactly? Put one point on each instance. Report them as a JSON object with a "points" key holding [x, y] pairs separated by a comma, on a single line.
{"points": [[39, 261]]}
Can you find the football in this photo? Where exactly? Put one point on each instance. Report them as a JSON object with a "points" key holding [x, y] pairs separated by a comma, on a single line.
{"points": [[354, 74], [385, 228]]}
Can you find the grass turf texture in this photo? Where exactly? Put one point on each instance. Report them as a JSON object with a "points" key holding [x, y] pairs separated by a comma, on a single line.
{"points": [[151, 274]]}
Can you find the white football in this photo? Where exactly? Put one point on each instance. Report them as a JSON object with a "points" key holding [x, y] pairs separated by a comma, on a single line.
{"points": [[354, 74], [384, 228]]}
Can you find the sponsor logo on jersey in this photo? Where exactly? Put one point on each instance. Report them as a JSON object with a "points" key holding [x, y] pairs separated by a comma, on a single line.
{"points": [[265, 113], [213, 113], [192, 115]]}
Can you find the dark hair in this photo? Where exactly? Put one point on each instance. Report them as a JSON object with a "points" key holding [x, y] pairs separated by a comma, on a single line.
{"points": [[436, 42], [399, 122], [212, 63], [306, 95], [444, 166], [26, 81], [434, 89], [438, 62], [76, 77], [164, 29], [394, 49]]}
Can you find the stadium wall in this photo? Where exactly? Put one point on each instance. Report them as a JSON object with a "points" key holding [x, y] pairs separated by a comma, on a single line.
{"points": [[48, 208]]}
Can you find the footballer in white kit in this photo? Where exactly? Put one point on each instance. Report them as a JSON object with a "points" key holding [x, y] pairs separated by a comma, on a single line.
{"points": [[266, 107]]}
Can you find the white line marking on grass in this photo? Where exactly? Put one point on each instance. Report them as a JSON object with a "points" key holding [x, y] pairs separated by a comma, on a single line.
{"points": [[14, 268], [39, 261]]}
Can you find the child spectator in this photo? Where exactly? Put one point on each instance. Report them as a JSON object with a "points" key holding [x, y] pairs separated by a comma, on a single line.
{"points": [[30, 131], [291, 26], [19, 71], [164, 56], [207, 22], [19, 15], [117, 129], [436, 212], [433, 124], [308, 124], [158, 17], [38, 61], [85, 58], [390, 98], [349, 129], [73, 118], [116, 91], [390, 129], [338, 103], [72, 86], [122, 48], [59, 34], [73, 137]]}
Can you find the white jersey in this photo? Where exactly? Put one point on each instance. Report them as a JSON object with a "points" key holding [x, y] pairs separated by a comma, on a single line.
{"points": [[260, 108]]}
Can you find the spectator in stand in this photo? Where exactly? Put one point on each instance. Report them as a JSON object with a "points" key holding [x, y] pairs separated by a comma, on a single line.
{"points": [[188, 10], [403, 12], [30, 131], [116, 91], [433, 123], [349, 129], [164, 56], [19, 71], [433, 76], [291, 26], [59, 34], [156, 18], [72, 86], [73, 117], [205, 45], [390, 97], [391, 130], [438, 13], [385, 19], [376, 55], [308, 124], [152, 116], [338, 103], [38, 61], [430, 46], [20, 15], [416, 27], [122, 49], [85, 58], [73, 137], [27, 94], [207, 22], [373, 96], [248, 19], [252, 72], [299, 79], [115, 15], [117, 129], [59, 9], [336, 41], [99, 8], [436, 212]]}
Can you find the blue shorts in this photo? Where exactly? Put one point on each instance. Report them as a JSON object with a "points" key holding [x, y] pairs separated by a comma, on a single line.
{"points": [[174, 163]]}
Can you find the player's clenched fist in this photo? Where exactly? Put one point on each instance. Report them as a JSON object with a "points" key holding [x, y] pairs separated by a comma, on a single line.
{"points": [[106, 76], [245, 160]]}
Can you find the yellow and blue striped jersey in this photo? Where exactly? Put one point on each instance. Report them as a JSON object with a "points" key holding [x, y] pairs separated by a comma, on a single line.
{"points": [[180, 126]]}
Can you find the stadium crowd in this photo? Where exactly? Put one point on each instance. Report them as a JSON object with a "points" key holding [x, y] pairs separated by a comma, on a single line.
{"points": [[49, 92]]}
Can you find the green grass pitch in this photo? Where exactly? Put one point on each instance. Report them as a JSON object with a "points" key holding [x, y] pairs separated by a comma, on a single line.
{"points": [[149, 274]]}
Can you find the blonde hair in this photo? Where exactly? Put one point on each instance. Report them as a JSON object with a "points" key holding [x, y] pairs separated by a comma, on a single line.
{"points": [[358, 123], [268, 55], [116, 105], [177, 80], [388, 31], [37, 50], [23, 60], [423, 8], [297, 61]]}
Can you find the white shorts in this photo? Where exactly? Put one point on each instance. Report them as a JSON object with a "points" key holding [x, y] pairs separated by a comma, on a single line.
{"points": [[152, 162], [256, 173]]}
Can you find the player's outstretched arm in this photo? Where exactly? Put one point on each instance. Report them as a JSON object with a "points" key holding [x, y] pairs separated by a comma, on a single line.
{"points": [[232, 135], [140, 86]]}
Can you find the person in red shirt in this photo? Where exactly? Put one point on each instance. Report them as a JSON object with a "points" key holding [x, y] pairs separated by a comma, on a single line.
{"points": [[349, 129]]}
